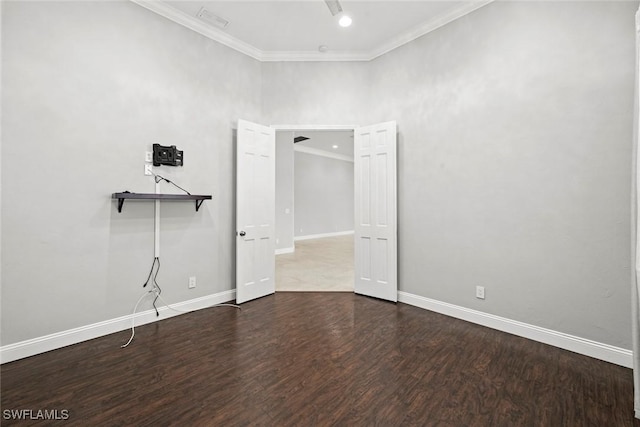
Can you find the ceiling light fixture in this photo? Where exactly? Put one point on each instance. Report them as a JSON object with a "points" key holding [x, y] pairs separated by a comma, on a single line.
{"points": [[335, 147], [334, 6], [322, 48], [345, 21]]}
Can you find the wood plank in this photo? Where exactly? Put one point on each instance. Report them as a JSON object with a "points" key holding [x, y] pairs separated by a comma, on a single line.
{"points": [[302, 359]]}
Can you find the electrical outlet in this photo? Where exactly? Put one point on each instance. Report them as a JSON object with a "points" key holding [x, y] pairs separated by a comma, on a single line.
{"points": [[148, 169], [148, 156], [480, 292], [192, 282]]}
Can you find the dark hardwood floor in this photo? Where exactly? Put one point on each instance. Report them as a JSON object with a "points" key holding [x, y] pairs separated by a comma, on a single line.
{"points": [[315, 359]]}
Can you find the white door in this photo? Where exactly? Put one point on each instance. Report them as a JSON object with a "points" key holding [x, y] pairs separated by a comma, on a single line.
{"points": [[375, 247], [255, 211]]}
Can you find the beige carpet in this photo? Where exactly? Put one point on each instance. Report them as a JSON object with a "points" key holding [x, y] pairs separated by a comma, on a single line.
{"points": [[318, 265]]}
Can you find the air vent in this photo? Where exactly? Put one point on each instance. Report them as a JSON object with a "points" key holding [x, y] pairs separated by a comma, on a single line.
{"points": [[334, 6], [299, 139], [212, 19]]}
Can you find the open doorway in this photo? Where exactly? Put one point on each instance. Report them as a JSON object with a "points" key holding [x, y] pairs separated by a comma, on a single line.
{"points": [[375, 202], [314, 207]]}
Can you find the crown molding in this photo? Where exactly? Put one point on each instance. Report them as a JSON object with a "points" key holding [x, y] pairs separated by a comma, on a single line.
{"points": [[193, 23], [427, 27], [322, 153], [311, 56], [222, 37]]}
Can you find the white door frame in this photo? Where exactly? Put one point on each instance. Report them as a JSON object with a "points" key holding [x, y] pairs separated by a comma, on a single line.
{"points": [[294, 128], [336, 128], [314, 127]]}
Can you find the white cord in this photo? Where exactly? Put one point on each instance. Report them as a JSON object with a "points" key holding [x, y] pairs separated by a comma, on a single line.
{"points": [[133, 319], [226, 305], [189, 311], [154, 290]]}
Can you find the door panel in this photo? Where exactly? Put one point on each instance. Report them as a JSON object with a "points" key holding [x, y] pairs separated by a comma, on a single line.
{"points": [[255, 211], [375, 211]]}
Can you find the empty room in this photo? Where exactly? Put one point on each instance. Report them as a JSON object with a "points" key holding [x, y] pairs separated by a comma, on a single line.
{"points": [[491, 210]]}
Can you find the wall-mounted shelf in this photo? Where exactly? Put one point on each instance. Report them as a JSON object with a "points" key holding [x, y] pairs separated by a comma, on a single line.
{"points": [[153, 196]]}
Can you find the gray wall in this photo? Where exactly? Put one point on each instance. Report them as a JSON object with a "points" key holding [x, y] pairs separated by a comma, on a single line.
{"points": [[323, 195], [515, 163], [284, 190], [316, 93], [514, 154], [87, 87]]}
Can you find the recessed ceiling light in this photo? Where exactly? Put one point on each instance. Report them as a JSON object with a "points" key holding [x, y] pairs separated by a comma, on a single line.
{"points": [[335, 147], [345, 21]]}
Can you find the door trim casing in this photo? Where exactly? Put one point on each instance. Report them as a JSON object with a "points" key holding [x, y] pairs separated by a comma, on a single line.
{"points": [[314, 127]]}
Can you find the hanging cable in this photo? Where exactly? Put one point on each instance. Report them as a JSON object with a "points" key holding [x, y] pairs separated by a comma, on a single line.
{"points": [[152, 278], [170, 307], [156, 261], [159, 178], [151, 271], [157, 290], [155, 284], [133, 319]]}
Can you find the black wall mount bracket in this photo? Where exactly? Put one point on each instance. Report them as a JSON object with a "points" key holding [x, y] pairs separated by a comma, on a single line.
{"points": [[167, 155]]}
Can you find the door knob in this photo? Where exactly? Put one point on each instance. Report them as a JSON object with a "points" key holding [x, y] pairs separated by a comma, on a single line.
{"points": [[242, 234]]}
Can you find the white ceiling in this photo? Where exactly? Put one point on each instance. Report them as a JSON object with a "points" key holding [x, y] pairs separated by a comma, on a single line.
{"points": [[294, 30], [324, 140]]}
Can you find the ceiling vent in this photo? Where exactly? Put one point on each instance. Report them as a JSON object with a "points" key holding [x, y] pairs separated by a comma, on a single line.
{"points": [[334, 6], [212, 19]]}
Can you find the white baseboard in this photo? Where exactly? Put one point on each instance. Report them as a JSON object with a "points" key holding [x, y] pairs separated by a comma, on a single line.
{"points": [[57, 340], [323, 235], [290, 250], [608, 353]]}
